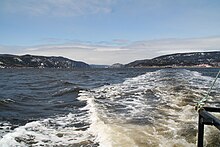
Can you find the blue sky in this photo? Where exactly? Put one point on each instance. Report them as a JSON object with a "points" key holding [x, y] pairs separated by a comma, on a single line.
{"points": [[108, 31]]}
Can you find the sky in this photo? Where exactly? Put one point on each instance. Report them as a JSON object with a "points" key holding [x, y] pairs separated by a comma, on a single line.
{"points": [[108, 31]]}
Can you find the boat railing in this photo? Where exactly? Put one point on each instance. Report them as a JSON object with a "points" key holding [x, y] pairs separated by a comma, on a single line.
{"points": [[206, 118]]}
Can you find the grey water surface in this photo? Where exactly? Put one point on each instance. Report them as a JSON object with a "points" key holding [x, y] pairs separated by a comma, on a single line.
{"points": [[104, 107]]}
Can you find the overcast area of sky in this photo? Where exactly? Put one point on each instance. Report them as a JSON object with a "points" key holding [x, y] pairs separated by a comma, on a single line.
{"points": [[108, 31]]}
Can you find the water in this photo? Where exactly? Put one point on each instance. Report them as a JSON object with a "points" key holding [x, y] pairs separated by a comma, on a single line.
{"points": [[104, 107]]}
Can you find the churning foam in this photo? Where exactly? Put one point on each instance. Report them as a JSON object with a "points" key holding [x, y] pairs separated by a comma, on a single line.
{"points": [[60, 131], [154, 109]]}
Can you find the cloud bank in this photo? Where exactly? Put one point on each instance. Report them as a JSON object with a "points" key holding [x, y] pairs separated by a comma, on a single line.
{"points": [[107, 54]]}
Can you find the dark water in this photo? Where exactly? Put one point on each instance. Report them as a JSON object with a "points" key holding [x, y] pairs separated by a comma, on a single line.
{"points": [[103, 107], [30, 94]]}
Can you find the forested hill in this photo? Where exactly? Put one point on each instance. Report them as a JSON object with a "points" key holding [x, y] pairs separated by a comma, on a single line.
{"points": [[198, 59], [11, 61]]}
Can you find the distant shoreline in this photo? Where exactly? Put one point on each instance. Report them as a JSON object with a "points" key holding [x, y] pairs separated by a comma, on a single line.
{"points": [[150, 67], [173, 67]]}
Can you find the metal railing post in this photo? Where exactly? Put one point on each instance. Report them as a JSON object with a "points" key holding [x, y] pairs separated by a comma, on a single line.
{"points": [[200, 132], [206, 118]]}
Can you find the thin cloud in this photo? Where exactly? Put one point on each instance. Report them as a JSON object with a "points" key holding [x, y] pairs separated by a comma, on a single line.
{"points": [[6, 49], [208, 43], [73, 47], [110, 49], [107, 54], [51, 40], [59, 47], [154, 48], [121, 41], [58, 7], [115, 42]]}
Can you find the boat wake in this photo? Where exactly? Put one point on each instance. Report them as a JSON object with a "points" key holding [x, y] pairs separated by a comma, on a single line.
{"points": [[154, 109]]}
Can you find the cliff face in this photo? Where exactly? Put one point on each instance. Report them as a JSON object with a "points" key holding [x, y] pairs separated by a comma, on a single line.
{"points": [[206, 59], [10, 61]]}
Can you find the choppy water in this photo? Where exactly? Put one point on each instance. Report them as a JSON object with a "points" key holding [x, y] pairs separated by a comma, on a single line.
{"points": [[105, 107]]}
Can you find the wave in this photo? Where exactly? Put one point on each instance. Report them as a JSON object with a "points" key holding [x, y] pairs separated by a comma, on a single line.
{"points": [[61, 131], [6, 102], [154, 109], [67, 83], [67, 91]]}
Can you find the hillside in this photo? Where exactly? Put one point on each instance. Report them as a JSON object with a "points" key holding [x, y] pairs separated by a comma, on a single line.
{"points": [[11, 61], [195, 59]]}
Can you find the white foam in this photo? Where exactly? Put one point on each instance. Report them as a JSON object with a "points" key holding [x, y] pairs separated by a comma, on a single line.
{"points": [[113, 128], [49, 132], [5, 127]]}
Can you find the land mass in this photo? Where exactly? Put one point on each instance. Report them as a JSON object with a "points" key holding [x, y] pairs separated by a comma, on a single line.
{"points": [[193, 59], [116, 65], [30, 61]]}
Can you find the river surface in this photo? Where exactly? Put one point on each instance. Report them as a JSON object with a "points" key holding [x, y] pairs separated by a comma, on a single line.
{"points": [[105, 107]]}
